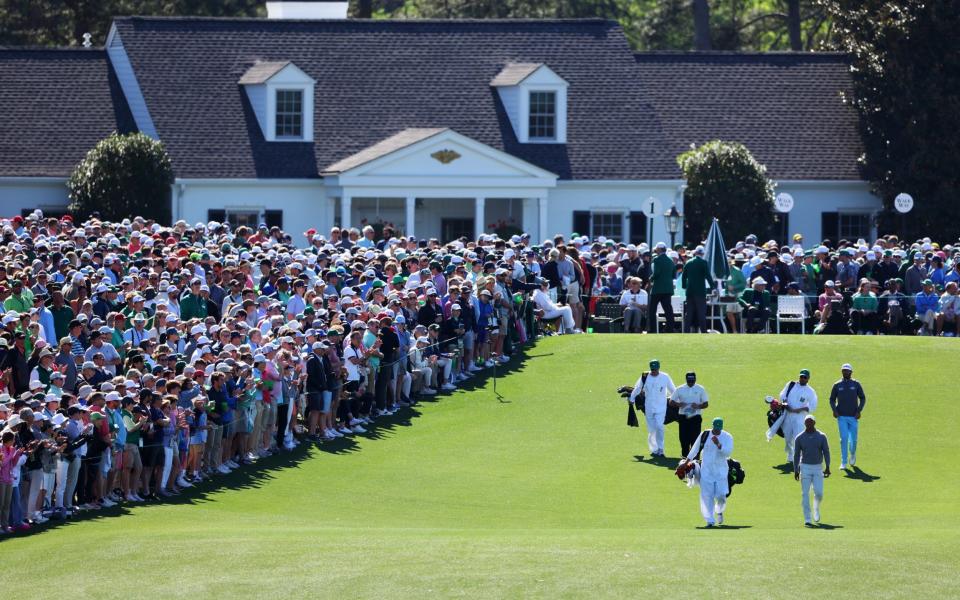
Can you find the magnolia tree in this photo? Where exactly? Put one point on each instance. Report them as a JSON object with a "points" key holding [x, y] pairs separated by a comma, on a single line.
{"points": [[726, 182], [123, 175]]}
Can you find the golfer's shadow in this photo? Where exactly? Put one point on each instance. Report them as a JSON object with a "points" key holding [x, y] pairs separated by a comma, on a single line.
{"points": [[785, 468], [731, 527], [827, 526], [859, 475], [658, 461]]}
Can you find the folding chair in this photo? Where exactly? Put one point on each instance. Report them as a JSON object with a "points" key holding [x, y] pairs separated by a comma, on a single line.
{"points": [[792, 309], [609, 316], [676, 302]]}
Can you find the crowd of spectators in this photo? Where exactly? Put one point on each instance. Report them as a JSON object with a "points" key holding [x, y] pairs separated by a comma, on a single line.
{"points": [[139, 359]]}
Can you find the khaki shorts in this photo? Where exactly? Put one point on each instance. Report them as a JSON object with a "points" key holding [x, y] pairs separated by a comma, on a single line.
{"points": [[131, 457], [573, 293]]}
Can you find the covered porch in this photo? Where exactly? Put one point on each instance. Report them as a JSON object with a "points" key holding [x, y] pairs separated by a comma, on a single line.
{"points": [[436, 183]]}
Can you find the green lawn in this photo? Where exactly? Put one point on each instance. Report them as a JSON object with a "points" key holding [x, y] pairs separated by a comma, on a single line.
{"points": [[542, 495]]}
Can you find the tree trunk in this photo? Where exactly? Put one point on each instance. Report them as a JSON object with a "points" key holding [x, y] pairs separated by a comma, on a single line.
{"points": [[793, 25], [364, 9], [701, 24]]}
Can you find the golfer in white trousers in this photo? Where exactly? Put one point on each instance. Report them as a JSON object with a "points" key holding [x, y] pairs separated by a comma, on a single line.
{"points": [[717, 446], [800, 400], [656, 388], [811, 453]]}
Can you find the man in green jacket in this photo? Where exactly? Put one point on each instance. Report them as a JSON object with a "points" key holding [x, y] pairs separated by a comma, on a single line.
{"points": [[696, 280], [756, 306], [192, 306], [661, 289]]}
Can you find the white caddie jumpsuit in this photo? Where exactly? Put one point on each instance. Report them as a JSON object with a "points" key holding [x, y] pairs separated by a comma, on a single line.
{"points": [[656, 389], [801, 396], [713, 473]]}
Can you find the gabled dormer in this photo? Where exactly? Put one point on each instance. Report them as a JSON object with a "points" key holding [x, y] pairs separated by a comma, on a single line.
{"points": [[535, 100], [281, 96]]}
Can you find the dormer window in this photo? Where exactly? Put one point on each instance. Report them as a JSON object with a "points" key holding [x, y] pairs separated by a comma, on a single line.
{"points": [[281, 96], [535, 100], [543, 115], [289, 117]]}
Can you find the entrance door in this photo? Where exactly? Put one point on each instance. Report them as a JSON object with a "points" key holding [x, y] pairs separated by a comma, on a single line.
{"points": [[451, 229]]}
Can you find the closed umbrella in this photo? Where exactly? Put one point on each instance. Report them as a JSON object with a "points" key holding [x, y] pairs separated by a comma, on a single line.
{"points": [[716, 253]]}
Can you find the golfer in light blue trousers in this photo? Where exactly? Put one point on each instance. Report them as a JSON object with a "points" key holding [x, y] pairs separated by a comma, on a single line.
{"points": [[847, 401]]}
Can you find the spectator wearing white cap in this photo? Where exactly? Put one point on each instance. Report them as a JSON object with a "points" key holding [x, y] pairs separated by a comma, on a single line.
{"points": [[847, 400], [634, 303], [756, 303]]}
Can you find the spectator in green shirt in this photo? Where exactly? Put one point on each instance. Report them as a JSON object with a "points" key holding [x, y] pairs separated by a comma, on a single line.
{"points": [[62, 313], [697, 282], [192, 306], [736, 283], [20, 299], [863, 312], [756, 303], [661, 291]]}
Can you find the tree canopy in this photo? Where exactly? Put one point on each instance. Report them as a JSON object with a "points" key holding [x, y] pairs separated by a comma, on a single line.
{"points": [[906, 69], [726, 182], [649, 24], [123, 175]]}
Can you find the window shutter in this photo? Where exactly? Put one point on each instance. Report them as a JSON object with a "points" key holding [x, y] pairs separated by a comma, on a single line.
{"points": [[216, 214], [638, 227], [273, 218], [581, 222], [829, 226]]}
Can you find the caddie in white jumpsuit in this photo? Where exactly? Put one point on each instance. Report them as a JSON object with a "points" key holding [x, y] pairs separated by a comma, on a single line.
{"points": [[656, 388], [800, 402], [714, 488]]}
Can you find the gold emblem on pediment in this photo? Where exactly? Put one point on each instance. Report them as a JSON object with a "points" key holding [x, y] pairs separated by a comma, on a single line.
{"points": [[445, 156]]}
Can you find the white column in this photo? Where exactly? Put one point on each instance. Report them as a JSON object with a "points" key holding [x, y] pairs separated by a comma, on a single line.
{"points": [[479, 222], [411, 206], [531, 219], [329, 216], [542, 214], [346, 205]]}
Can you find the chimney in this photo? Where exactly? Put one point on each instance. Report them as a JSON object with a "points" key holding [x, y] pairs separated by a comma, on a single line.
{"points": [[308, 9]]}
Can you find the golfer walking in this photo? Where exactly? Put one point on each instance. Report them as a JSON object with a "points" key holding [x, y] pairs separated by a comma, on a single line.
{"points": [[715, 447], [655, 389], [800, 400], [847, 401], [690, 400], [812, 464]]}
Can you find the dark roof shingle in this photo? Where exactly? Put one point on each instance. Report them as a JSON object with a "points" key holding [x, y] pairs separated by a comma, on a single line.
{"points": [[56, 105], [786, 107], [377, 78]]}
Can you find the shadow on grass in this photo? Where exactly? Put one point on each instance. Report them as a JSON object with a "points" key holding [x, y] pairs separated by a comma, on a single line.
{"points": [[659, 461], [859, 475], [785, 468], [722, 527], [827, 526], [265, 469]]}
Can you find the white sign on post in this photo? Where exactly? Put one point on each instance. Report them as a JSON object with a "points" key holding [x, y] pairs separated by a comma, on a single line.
{"points": [[783, 202], [903, 203], [652, 207]]}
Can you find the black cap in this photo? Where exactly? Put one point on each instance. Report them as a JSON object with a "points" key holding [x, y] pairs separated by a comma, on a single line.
{"points": [[691, 375]]}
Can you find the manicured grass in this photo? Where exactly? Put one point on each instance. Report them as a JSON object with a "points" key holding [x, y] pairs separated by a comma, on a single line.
{"points": [[542, 495]]}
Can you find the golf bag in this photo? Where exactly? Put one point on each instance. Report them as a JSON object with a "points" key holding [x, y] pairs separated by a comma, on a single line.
{"points": [[672, 414], [776, 413]]}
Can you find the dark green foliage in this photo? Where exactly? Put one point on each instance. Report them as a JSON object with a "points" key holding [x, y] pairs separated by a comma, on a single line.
{"points": [[906, 70], [124, 175], [726, 182]]}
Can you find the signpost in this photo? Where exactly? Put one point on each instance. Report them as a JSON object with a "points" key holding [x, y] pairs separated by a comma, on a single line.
{"points": [[903, 203], [651, 207], [783, 202]]}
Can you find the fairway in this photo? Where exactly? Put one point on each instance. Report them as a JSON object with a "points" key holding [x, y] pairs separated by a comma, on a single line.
{"points": [[542, 495]]}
